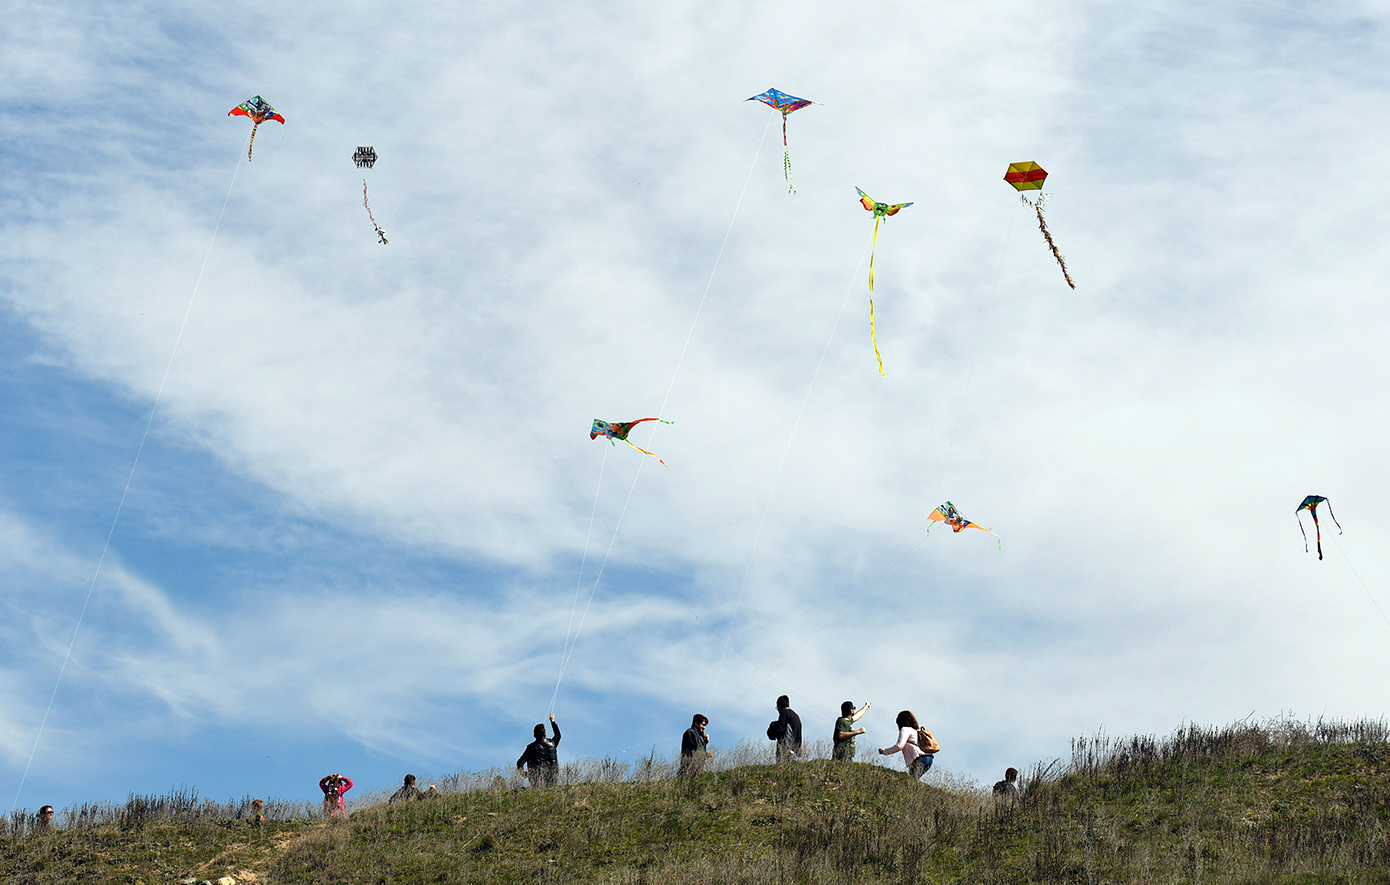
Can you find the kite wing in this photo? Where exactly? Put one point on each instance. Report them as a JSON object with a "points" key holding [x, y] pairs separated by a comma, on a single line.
{"points": [[781, 101], [867, 200], [895, 208]]}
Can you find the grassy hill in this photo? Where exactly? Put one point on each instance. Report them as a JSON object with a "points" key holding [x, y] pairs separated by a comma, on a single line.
{"points": [[1280, 802]]}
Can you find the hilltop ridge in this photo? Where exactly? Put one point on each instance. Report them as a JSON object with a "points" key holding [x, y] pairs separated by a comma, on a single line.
{"points": [[1281, 802]]}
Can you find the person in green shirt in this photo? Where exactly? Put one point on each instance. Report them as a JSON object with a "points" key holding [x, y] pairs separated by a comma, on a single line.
{"points": [[845, 731]]}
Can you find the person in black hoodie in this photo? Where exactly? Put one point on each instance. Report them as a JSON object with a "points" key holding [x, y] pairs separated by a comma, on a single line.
{"points": [[786, 731], [694, 745], [539, 759]]}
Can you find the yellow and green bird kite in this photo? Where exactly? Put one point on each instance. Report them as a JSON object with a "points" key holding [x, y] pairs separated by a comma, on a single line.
{"points": [[880, 210]]}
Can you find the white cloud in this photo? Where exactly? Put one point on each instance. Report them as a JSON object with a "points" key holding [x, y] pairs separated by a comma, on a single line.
{"points": [[556, 184]]}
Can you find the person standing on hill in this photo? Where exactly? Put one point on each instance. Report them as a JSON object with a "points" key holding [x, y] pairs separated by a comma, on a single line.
{"points": [[843, 749], [43, 821], [910, 736], [695, 745], [786, 731], [1008, 787], [334, 786], [540, 759], [409, 791]]}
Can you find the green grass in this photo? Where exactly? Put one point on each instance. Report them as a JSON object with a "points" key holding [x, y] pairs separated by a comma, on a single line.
{"points": [[1279, 802]]}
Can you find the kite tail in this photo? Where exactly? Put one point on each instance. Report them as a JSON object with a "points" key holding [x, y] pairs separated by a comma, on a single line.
{"points": [[252, 143], [1334, 517], [872, 249], [787, 158], [379, 232], [645, 452], [1052, 244], [1303, 533], [874, 338], [1318, 529]]}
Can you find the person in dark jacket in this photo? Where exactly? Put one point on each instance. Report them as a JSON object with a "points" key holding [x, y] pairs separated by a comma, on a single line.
{"points": [[695, 745], [1008, 787], [786, 731], [540, 760], [409, 792]]}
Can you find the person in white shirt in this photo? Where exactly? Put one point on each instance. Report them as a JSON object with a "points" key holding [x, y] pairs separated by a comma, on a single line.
{"points": [[918, 760]]}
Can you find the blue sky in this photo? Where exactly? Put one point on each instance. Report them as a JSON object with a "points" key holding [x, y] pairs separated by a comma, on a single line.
{"points": [[354, 537]]}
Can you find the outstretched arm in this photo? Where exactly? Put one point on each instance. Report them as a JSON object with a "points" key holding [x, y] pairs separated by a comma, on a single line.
{"points": [[896, 748], [554, 729]]}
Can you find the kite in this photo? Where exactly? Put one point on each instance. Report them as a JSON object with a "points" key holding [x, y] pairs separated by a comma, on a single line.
{"points": [[880, 210], [1310, 504], [781, 101], [620, 430], [1030, 176], [259, 110], [948, 514], [364, 157], [379, 232]]}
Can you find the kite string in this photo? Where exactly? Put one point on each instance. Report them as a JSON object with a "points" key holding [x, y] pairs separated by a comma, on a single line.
{"points": [[710, 282], [951, 440], [579, 582], [534, 436], [674, 375], [778, 475], [120, 504], [1358, 578]]}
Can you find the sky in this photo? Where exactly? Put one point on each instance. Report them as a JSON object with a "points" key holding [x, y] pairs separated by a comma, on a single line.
{"points": [[366, 522]]}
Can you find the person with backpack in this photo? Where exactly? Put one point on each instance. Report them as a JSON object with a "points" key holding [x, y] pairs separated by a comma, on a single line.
{"points": [[917, 745], [540, 760], [845, 732], [1008, 787], [786, 731]]}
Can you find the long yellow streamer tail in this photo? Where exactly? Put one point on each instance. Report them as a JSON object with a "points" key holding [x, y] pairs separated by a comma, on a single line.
{"points": [[874, 338], [871, 255]]}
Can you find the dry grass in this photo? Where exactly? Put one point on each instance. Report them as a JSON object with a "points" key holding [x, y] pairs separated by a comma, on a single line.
{"points": [[1275, 802]]}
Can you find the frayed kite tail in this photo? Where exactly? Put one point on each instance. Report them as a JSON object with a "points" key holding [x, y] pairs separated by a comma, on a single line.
{"points": [[1038, 205], [379, 232]]}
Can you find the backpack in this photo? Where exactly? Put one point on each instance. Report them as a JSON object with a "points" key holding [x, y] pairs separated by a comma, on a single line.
{"points": [[926, 742]]}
